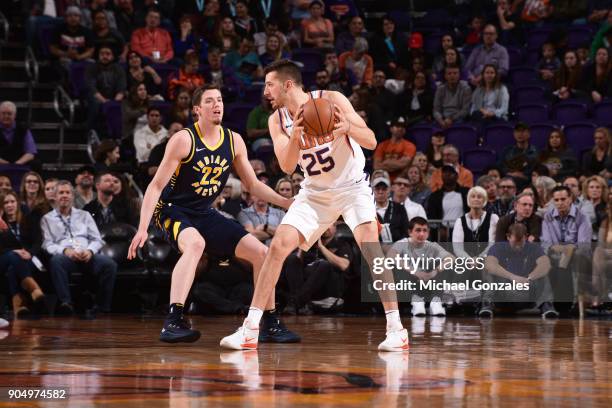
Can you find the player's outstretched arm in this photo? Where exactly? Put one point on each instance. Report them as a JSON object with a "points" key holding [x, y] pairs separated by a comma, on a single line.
{"points": [[348, 122], [178, 148], [286, 149], [247, 175]]}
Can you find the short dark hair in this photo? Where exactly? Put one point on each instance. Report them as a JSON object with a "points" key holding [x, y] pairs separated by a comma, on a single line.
{"points": [[520, 126], [416, 221], [286, 69], [153, 108], [561, 188], [196, 99], [101, 174], [451, 66], [518, 230]]}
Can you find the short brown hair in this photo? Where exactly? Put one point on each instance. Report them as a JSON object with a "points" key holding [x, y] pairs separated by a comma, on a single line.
{"points": [[286, 69], [517, 230], [197, 94]]}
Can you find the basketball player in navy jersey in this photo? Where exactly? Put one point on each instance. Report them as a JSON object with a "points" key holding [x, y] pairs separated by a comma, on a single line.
{"points": [[196, 165]]}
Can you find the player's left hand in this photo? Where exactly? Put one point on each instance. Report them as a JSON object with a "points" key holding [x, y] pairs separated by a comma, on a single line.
{"points": [[342, 125]]}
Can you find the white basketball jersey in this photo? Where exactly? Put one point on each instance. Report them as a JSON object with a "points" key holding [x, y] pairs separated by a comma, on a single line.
{"points": [[334, 164]]}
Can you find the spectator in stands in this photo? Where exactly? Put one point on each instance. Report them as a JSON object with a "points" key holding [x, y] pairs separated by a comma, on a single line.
{"points": [[216, 73], [452, 100], [418, 100], [244, 62], [389, 47], [603, 35], [450, 157], [597, 81], [284, 187], [507, 194], [518, 160], [420, 160], [338, 11], [210, 20], [510, 24], [578, 199], [260, 219], [317, 30], [187, 40], [434, 148], [490, 186], [226, 38], [490, 99], [89, 12], [524, 213], [595, 190], [402, 190], [567, 79], [181, 110], [157, 153], [382, 97], [558, 157], [153, 42], [246, 25], [395, 154], [358, 62], [594, 162], [41, 13], [439, 61], [134, 109], [84, 182], [106, 155], [346, 39], [342, 81], [147, 137], [5, 184], [417, 64], [106, 209], [32, 193], [451, 58], [50, 194], [137, 74], [478, 225], [523, 262], [105, 82], [543, 186], [72, 239], [261, 38], [17, 145], [187, 78], [105, 35], [72, 42], [489, 52], [549, 64], [123, 191], [318, 273], [273, 51], [19, 249], [418, 188], [449, 202], [296, 179], [474, 34], [125, 17], [257, 121], [391, 215]]}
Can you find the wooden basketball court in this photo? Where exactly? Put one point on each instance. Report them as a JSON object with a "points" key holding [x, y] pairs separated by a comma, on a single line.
{"points": [[118, 362]]}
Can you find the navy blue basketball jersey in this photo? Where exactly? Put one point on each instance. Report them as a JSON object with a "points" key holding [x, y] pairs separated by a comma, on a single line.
{"points": [[200, 178]]}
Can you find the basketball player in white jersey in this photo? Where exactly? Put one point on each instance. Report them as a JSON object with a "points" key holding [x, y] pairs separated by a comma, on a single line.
{"points": [[335, 185]]}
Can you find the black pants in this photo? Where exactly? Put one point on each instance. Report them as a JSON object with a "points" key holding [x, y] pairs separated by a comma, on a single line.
{"points": [[315, 280]]}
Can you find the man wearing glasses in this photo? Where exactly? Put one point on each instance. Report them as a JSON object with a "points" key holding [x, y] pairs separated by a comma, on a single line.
{"points": [[489, 52]]}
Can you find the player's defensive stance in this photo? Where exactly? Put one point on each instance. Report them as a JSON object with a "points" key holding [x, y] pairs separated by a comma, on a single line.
{"points": [[335, 184], [196, 165]]}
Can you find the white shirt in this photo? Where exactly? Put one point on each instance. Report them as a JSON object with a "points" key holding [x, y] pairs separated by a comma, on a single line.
{"points": [[473, 225], [414, 209], [145, 140], [382, 210], [452, 208], [49, 9]]}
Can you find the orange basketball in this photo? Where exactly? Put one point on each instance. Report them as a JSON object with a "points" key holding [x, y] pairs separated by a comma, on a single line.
{"points": [[318, 117]]}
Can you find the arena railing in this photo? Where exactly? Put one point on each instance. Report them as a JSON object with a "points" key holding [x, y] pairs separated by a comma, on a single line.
{"points": [[32, 71], [64, 108]]}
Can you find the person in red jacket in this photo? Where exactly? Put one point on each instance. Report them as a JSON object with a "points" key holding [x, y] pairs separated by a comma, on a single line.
{"points": [[151, 41]]}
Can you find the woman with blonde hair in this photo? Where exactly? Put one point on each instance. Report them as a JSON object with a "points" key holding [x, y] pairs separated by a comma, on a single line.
{"points": [[284, 187], [419, 190], [420, 160], [477, 225], [32, 192], [544, 186], [595, 189]]}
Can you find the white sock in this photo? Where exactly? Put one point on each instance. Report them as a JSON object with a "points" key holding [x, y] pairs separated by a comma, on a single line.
{"points": [[253, 318], [394, 323]]}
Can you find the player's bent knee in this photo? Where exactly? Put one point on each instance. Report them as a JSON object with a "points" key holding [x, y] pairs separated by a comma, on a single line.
{"points": [[194, 246], [281, 246]]}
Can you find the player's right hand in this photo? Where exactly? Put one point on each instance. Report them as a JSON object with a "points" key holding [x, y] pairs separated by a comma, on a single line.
{"points": [[137, 242], [298, 123]]}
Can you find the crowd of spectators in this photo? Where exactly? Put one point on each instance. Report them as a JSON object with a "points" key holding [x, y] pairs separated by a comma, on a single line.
{"points": [[147, 58]]}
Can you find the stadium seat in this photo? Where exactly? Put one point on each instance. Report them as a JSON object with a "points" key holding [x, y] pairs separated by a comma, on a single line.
{"points": [[114, 119], [421, 136], [522, 76], [479, 159], [579, 136], [539, 134], [238, 113], [432, 43], [464, 137], [570, 111], [45, 33], [602, 113], [537, 37], [77, 78], [497, 137], [532, 113], [310, 58], [252, 94], [515, 55], [528, 94], [579, 36]]}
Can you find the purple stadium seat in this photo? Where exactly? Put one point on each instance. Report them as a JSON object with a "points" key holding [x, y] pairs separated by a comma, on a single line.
{"points": [[537, 37], [401, 18], [497, 137], [529, 94], [479, 159], [567, 112], [522, 75], [77, 78], [602, 113], [14, 172], [532, 113], [435, 18], [312, 59], [539, 134], [516, 56], [114, 119], [45, 33], [432, 43], [579, 135], [420, 135], [253, 93], [533, 57], [578, 36], [238, 113], [464, 137]]}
